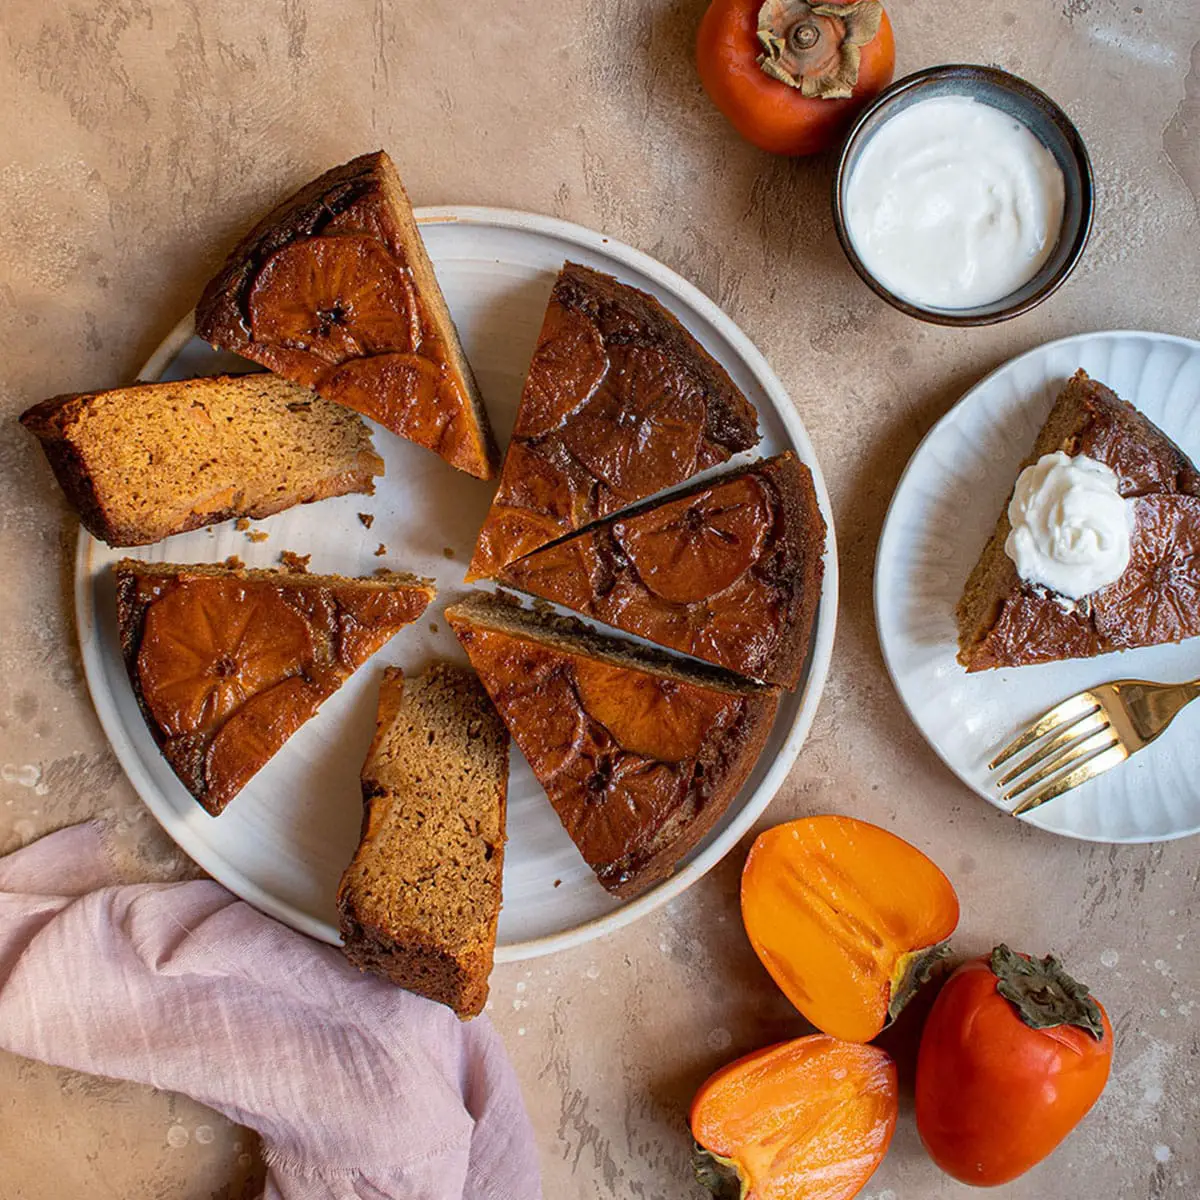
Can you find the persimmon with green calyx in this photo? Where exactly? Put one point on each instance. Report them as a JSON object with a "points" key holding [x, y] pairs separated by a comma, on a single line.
{"points": [[848, 918], [790, 75], [1013, 1054], [809, 1119]]}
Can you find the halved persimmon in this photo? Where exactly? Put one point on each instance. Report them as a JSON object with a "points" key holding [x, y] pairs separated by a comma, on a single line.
{"points": [[848, 919], [809, 1119]]}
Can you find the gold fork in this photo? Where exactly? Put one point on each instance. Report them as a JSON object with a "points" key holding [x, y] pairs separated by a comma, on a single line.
{"points": [[1092, 732]]}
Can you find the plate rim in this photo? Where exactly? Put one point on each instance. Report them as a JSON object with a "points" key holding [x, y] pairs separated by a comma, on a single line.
{"points": [[881, 567], [820, 653]]}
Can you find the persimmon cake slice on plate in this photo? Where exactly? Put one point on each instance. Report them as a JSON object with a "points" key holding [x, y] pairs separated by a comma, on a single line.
{"points": [[228, 663], [419, 903], [1099, 547], [639, 754], [334, 290], [728, 570], [620, 402]]}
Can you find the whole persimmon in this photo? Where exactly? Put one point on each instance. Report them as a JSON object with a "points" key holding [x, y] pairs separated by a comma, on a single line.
{"points": [[790, 76], [1013, 1054]]}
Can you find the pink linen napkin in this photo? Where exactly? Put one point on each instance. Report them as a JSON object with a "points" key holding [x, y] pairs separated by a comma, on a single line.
{"points": [[358, 1089]]}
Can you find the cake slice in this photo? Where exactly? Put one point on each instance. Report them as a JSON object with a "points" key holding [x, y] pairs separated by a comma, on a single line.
{"points": [[639, 754], [728, 570], [620, 402], [143, 462], [1007, 621], [420, 900], [334, 290], [228, 663]]}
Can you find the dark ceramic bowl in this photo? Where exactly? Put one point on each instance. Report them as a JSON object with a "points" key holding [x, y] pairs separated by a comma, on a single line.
{"points": [[1044, 119]]}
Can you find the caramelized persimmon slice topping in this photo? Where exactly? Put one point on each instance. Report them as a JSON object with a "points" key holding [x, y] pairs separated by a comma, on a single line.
{"points": [[809, 1119], [846, 917]]}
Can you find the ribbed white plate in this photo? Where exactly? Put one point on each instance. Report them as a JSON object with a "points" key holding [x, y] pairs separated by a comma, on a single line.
{"points": [[285, 839], [944, 509]]}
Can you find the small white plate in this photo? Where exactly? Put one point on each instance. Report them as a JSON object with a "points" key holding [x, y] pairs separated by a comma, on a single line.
{"points": [[285, 839], [945, 508]]}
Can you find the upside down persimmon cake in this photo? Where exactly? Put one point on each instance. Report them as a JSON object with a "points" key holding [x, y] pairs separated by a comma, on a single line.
{"points": [[640, 754], [620, 402], [419, 903], [1099, 547], [334, 290], [227, 663], [728, 570]]}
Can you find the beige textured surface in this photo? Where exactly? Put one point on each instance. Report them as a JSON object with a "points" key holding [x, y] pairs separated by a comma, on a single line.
{"points": [[138, 138]]}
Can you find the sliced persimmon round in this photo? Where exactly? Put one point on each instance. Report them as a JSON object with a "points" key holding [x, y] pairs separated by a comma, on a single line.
{"points": [[566, 368], [848, 919], [336, 298], [693, 548], [809, 1119]]}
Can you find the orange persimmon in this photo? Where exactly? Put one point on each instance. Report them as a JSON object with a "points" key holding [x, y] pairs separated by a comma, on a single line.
{"points": [[847, 918], [809, 1119]]}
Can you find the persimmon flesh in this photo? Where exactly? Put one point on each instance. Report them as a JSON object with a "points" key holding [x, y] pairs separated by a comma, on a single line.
{"points": [[809, 1119], [848, 919]]}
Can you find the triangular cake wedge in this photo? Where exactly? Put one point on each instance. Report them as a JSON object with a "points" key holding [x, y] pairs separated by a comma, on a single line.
{"points": [[420, 900], [144, 462], [639, 754], [728, 570], [334, 290], [227, 663], [1004, 621], [620, 402]]}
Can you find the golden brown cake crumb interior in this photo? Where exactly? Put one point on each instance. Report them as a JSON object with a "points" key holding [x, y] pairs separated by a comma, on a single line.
{"points": [[144, 462], [420, 900]]}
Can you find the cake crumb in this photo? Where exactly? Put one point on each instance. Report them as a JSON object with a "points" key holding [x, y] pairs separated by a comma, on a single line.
{"points": [[382, 571], [234, 563], [368, 519], [242, 524], [295, 562], [257, 535], [558, 883], [433, 627], [381, 551], [447, 552]]}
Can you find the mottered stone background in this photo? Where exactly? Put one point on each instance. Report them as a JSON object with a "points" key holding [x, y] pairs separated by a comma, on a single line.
{"points": [[138, 138]]}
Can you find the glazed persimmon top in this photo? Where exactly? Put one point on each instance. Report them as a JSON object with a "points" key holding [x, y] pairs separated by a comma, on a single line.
{"points": [[620, 402], [228, 664], [728, 571], [1157, 599], [333, 290], [637, 762]]}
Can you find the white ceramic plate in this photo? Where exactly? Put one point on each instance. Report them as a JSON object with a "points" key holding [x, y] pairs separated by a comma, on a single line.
{"points": [[283, 842], [944, 509]]}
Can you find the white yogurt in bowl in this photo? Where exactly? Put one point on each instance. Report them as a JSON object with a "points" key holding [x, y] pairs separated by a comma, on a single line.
{"points": [[953, 204]]}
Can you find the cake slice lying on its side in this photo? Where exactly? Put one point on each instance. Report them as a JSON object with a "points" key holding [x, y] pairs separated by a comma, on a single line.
{"points": [[334, 289], [1006, 619], [228, 663], [420, 900], [143, 462], [640, 754], [728, 571], [620, 402]]}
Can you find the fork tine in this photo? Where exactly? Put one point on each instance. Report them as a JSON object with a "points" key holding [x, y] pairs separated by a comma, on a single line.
{"points": [[1092, 723], [1094, 765], [1073, 708], [1074, 754]]}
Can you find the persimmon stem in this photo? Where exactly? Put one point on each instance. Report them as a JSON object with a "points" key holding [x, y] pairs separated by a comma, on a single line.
{"points": [[1043, 994]]}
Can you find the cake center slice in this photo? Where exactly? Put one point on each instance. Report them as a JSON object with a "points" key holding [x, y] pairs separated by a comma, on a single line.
{"points": [[227, 663], [334, 289], [420, 900], [639, 754], [728, 570], [620, 402]]}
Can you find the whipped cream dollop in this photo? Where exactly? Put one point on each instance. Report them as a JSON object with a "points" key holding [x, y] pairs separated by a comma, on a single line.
{"points": [[1070, 525]]}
